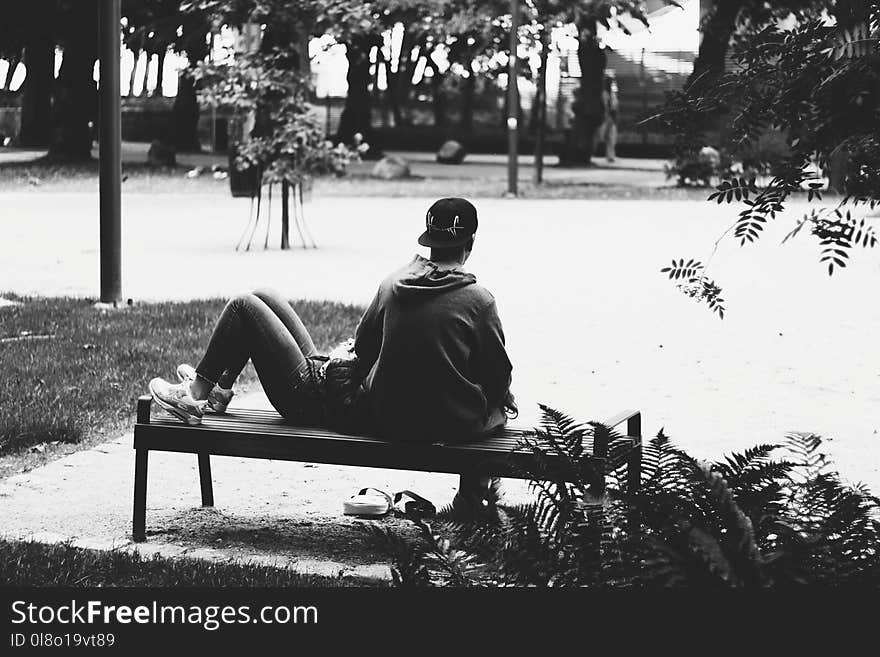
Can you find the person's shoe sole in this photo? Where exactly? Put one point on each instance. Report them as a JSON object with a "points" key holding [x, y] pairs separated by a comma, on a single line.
{"points": [[192, 420]]}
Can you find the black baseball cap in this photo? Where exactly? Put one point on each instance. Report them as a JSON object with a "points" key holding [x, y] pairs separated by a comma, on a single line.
{"points": [[449, 222]]}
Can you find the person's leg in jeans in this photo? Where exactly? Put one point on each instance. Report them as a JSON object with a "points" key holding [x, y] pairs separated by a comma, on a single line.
{"points": [[472, 501], [248, 329], [285, 312]]}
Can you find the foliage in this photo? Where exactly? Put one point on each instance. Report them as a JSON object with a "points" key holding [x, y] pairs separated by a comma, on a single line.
{"points": [[288, 142], [703, 167], [771, 515], [695, 284], [815, 80]]}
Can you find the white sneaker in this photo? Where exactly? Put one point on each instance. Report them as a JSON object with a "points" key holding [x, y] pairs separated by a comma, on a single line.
{"points": [[177, 400], [218, 399]]}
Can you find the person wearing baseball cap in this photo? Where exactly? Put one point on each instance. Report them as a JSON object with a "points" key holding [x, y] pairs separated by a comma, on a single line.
{"points": [[431, 362], [432, 343]]}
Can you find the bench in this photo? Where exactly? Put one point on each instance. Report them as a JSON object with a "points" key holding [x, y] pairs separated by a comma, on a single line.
{"points": [[266, 435]]}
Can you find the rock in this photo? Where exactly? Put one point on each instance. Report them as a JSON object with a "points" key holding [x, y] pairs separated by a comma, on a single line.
{"points": [[451, 152], [161, 155], [391, 167]]}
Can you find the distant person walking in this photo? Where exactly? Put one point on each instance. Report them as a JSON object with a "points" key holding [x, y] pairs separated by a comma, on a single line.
{"points": [[611, 107]]}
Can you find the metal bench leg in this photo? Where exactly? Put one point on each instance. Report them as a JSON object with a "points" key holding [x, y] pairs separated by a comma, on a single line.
{"points": [[139, 518], [634, 461], [205, 480], [634, 469]]}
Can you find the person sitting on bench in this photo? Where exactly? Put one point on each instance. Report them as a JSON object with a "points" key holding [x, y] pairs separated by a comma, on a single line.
{"points": [[430, 348]]}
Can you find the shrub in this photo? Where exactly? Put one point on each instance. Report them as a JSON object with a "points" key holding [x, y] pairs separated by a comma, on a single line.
{"points": [[771, 515]]}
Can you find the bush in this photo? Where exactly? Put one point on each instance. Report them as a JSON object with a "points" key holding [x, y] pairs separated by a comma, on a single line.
{"points": [[772, 515]]}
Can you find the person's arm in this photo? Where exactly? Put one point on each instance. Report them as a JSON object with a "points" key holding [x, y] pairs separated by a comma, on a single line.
{"points": [[494, 365], [368, 336]]}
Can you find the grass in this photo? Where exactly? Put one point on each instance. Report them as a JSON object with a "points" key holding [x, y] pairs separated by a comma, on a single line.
{"points": [[32, 564], [47, 176], [476, 187], [72, 373]]}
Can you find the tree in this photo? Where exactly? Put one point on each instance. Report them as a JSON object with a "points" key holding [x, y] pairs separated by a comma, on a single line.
{"points": [[54, 113], [587, 16], [473, 34], [76, 94], [154, 27], [38, 46], [287, 144], [356, 24], [817, 82]]}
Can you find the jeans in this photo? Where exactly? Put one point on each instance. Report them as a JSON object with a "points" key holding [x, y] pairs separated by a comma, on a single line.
{"points": [[264, 328]]}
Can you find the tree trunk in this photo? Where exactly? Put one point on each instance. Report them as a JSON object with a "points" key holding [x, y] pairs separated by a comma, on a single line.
{"points": [[184, 134], [356, 114], [36, 100], [285, 215], [13, 63], [377, 95], [717, 27], [438, 98], [136, 53], [467, 101], [149, 60], [541, 106], [160, 74], [505, 112], [76, 101], [399, 82], [587, 106]]}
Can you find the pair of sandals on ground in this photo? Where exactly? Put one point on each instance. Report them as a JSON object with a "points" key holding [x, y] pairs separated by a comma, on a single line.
{"points": [[376, 503]]}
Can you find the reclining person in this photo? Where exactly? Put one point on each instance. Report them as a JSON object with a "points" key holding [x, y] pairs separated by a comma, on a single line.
{"points": [[430, 349]]}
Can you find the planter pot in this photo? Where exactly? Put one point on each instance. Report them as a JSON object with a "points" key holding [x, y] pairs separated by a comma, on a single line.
{"points": [[242, 183]]}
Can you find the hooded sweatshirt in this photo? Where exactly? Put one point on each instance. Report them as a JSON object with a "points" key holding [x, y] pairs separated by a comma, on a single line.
{"points": [[433, 342]]}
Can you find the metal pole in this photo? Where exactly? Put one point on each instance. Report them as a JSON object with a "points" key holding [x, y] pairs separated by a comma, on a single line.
{"points": [[541, 99], [110, 160], [512, 101]]}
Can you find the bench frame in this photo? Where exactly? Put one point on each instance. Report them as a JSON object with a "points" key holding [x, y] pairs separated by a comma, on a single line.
{"points": [[272, 438]]}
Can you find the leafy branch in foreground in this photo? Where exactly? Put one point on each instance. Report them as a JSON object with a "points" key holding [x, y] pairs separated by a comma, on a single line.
{"points": [[695, 284], [770, 515], [813, 83]]}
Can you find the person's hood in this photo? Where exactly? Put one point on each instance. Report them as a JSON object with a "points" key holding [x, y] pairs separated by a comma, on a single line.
{"points": [[422, 278]]}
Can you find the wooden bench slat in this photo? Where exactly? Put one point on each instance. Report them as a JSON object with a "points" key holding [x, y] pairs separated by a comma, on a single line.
{"points": [[504, 442]]}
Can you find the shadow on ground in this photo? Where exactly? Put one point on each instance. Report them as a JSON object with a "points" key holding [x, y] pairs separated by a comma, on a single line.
{"points": [[347, 540]]}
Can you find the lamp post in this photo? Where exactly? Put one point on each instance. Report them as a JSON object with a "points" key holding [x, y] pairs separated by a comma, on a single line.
{"points": [[110, 157], [512, 101]]}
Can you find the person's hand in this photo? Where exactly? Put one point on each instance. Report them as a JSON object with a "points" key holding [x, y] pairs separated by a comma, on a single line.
{"points": [[509, 405]]}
